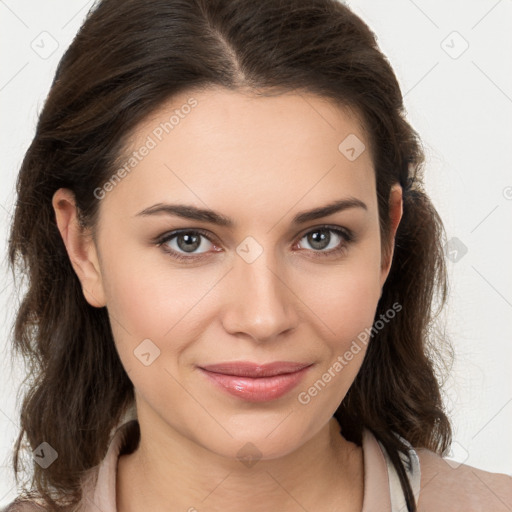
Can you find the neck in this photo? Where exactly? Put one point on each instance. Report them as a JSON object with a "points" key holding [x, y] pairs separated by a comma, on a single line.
{"points": [[169, 472]]}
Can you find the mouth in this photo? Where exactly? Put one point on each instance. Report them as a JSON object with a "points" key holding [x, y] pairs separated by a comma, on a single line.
{"points": [[255, 382]]}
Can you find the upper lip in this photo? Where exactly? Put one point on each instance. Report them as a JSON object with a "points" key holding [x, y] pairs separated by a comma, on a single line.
{"points": [[249, 369]]}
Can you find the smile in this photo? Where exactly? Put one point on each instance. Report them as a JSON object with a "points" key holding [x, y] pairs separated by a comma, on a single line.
{"points": [[254, 382]]}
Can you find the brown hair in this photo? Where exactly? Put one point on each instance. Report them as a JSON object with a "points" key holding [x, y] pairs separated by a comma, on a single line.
{"points": [[131, 56]]}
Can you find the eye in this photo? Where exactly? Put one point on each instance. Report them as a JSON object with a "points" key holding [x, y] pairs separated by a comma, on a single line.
{"points": [[184, 243], [324, 243]]}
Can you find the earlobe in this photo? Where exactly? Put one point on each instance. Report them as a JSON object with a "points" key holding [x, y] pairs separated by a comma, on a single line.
{"points": [[80, 247], [395, 216]]}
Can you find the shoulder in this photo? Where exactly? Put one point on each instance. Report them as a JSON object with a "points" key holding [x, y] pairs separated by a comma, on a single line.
{"points": [[96, 478], [451, 486], [23, 506]]}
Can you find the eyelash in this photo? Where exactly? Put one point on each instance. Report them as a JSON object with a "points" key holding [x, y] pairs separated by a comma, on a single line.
{"points": [[344, 233]]}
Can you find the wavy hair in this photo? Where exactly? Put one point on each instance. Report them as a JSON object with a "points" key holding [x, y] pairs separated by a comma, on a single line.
{"points": [[128, 58]]}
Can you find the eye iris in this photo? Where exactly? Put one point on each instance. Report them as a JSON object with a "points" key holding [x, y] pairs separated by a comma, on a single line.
{"points": [[192, 242], [318, 238]]}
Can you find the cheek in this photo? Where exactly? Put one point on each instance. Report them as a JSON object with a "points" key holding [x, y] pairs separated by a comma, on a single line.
{"points": [[344, 307], [344, 296], [151, 299], [344, 303]]}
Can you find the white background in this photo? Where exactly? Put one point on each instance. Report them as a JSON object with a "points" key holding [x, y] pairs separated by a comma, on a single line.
{"points": [[461, 104]]}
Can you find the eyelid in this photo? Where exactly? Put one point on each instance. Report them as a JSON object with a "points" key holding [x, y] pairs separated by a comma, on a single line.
{"points": [[174, 232], [347, 234], [170, 235]]}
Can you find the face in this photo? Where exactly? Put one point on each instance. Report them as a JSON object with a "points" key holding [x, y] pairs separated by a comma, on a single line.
{"points": [[268, 285]]}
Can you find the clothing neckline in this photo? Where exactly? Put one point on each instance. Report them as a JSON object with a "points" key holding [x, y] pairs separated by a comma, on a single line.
{"points": [[379, 484]]}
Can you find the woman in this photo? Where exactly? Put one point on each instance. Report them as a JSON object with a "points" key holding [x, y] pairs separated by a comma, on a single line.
{"points": [[223, 223]]}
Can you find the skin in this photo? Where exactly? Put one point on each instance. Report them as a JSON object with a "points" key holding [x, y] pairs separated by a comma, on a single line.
{"points": [[260, 161]]}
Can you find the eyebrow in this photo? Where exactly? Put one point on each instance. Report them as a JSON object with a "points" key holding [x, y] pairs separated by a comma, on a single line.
{"points": [[210, 216]]}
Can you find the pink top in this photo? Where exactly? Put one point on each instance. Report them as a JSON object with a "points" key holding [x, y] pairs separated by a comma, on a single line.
{"points": [[440, 485]]}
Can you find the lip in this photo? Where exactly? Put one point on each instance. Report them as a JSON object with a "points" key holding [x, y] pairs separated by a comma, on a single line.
{"points": [[255, 382]]}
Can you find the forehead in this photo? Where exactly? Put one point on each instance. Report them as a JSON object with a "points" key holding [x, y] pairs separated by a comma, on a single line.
{"points": [[215, 146]]}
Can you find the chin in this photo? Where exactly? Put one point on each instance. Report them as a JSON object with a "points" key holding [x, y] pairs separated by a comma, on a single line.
{"points": [[262, 440]]}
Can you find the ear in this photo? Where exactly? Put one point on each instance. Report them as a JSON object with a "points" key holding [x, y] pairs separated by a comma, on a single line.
{"points": [[395, 215], [80, 247]]}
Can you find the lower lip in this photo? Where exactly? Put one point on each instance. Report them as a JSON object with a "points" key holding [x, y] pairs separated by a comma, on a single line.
{"points": [[261, 389]]}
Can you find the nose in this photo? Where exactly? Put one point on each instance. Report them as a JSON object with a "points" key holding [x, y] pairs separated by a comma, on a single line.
{"points": [[260, 301]]}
